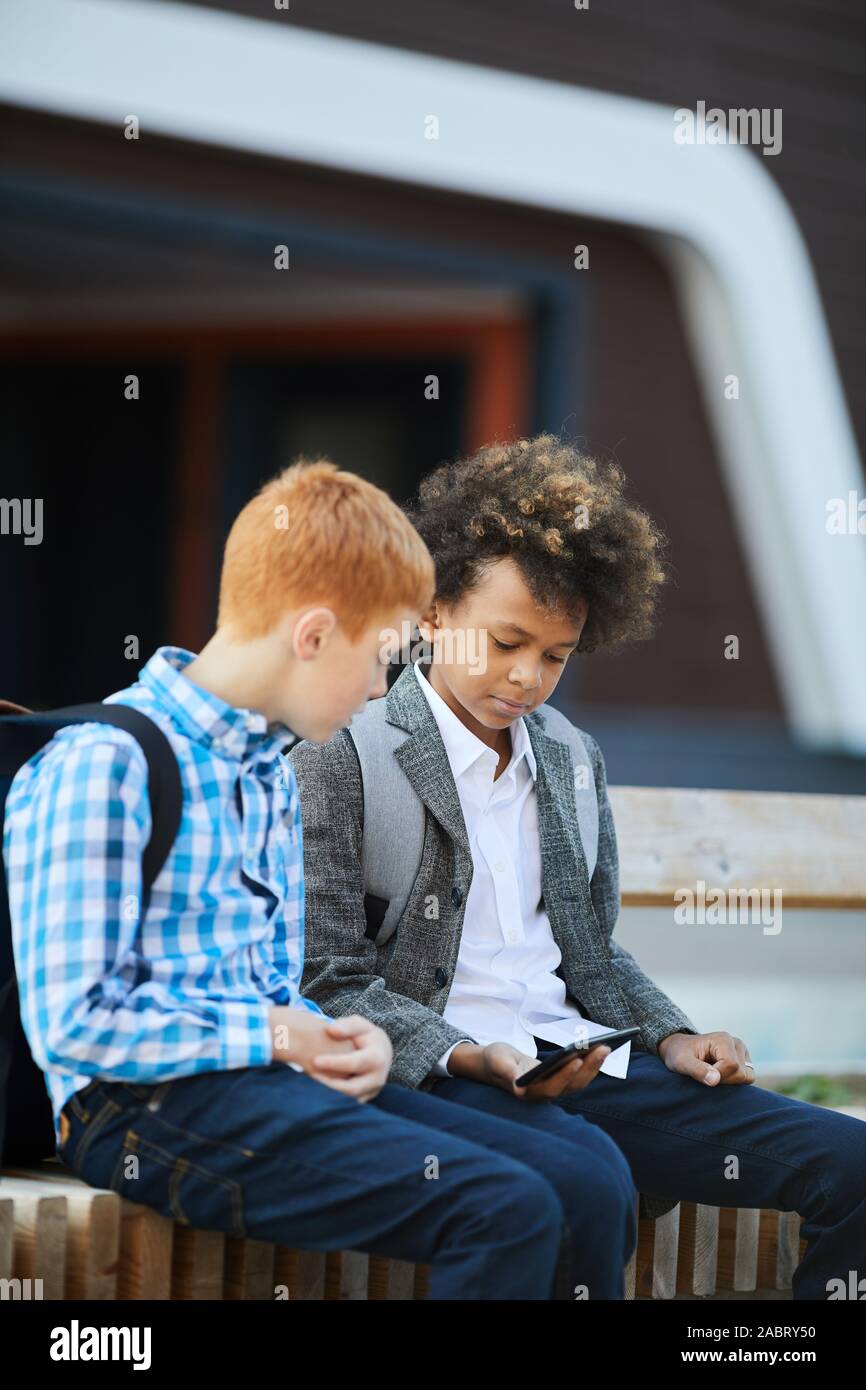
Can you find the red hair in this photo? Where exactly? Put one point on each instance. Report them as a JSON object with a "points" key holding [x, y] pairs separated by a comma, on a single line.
{"points": [[318, 535]]}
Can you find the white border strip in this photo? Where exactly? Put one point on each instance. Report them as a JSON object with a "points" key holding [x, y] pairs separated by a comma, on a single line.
{"points": [[739, 262]]}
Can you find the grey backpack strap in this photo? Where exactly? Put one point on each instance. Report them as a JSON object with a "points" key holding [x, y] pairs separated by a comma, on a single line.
{"points": [[394, 816], [557, 726]]}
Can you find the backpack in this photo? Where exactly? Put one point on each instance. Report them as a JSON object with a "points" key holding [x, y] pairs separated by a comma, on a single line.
{"points": [[393, 830], [26, 1116]]}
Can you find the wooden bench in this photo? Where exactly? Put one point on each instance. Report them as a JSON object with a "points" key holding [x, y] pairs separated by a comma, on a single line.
{"points": [[84, 1243]]}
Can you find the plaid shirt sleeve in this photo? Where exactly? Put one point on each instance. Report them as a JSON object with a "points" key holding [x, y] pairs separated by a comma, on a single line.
{"points": [[77, 820]]}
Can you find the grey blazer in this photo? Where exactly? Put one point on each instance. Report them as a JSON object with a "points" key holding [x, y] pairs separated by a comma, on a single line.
{"points": [[403, 986]]}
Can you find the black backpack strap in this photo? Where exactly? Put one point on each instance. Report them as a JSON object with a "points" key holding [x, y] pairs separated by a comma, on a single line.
{"points": [[163, 774]]}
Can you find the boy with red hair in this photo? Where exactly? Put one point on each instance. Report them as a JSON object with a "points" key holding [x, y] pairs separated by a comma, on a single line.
{"points": [[185, 1068]]}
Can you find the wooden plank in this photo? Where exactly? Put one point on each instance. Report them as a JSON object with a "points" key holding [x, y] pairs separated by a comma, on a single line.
{"points": [[197, 1265], [788, 1249], [808, 846], [249, 1269], [643, 1273], [630, 1275], [93, 1245], [739, 1241], [698, 1252], [146, 1244], [686, 1251], [309, 1276], [768, 1247], [377, 1279], [7, 1237], [706, 1250], [346, 1275], [401, 1282], [727, 1248], [285, 1273], [746, 1260], [93, 1233], [665, 1254], [39, 1216]]}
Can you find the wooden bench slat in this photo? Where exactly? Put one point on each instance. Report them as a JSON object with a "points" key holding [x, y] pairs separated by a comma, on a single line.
{"points": [[808, 846], [746, 1257], [665, 1254], [788, 1248], [739, 1239], [397, 1279], [346, 1275], [249, 1269], [690, 1252], [146, 1246], [7, 1236], [309, 1275], [643, 1274], [40, 1216], [198, 1263], [93, 1234]]}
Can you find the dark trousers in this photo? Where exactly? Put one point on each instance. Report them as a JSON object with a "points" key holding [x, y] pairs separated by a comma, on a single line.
{"points": [[725, 1146], [269, 1153]]}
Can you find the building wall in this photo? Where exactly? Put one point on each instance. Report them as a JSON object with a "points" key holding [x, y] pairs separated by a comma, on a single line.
{"points": [[806, 57], [631, 393]]}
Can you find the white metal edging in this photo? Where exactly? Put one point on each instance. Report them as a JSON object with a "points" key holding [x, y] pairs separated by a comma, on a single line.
{"points": [[738, 259]]}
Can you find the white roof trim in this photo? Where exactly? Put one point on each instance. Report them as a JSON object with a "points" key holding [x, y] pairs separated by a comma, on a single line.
{"points": [[746, 285]]}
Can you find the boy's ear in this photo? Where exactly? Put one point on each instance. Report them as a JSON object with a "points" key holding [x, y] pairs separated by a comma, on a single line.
{"points": [[428, 622], [310, 630]]}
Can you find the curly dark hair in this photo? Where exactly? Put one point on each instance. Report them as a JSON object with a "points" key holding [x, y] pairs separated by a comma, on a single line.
{"points": [[562, 518]]}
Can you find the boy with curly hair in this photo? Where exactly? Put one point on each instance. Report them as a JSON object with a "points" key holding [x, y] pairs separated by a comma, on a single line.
{"points": [[186, 1070], [500, 948]]}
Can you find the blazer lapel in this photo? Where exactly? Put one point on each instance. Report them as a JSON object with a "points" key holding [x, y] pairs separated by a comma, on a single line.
{"points": [[564, 875], [423, 757]]}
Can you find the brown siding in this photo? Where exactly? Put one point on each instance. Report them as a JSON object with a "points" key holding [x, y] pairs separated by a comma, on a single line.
{"points": [[643, 402], [806, 56]]}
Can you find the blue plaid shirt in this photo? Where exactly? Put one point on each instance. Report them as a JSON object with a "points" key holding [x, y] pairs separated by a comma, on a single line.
{"points": [[188, 988]]}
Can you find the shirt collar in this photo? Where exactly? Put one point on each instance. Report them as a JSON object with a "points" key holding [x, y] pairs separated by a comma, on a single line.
{"points": [[462, 746], [205, 717]]}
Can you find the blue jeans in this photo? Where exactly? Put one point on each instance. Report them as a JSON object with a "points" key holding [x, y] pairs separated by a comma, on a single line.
{"points": [[268, 1153], [679, 1137]]}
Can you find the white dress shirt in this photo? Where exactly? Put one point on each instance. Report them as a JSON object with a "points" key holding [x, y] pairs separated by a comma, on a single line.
{"points": [[505, 986]]}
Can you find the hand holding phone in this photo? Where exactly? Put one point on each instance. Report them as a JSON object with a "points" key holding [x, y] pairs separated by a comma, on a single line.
{"points": [[563, 1055]]}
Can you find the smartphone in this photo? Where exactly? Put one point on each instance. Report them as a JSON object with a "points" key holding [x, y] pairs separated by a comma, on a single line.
{"points": [[558, 1059]]}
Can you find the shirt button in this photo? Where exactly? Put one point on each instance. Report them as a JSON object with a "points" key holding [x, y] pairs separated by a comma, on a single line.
{"points": [[499, 866]]}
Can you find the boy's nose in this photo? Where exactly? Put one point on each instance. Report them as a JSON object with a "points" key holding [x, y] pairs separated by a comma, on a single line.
{"points": [[527, 681]]}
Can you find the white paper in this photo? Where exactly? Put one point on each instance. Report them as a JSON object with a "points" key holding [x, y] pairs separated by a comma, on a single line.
{"points": [[568, 1030]]}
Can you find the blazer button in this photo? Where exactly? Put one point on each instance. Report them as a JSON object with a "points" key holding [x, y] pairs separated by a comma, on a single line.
{"points": [[456, 896], [441, 977]]}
